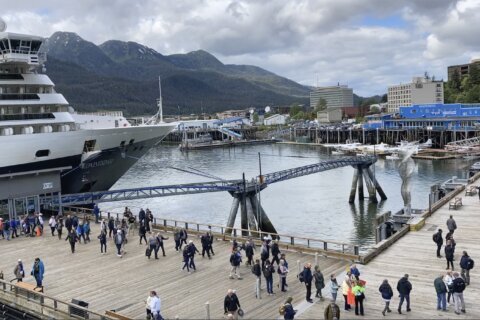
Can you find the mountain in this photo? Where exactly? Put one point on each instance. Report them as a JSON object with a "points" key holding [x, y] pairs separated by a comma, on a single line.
{"points": [[119, 75]]}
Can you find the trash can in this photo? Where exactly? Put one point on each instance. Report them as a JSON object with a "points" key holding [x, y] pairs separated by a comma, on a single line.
{"points": [[76, 311]]}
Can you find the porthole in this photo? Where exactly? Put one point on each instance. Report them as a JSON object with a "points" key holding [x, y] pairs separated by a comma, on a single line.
{"points": [[42, 153]]}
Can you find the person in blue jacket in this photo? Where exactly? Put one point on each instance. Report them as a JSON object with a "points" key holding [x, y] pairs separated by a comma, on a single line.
{"points": [[387, 294], [289, 311], [38, 270]]}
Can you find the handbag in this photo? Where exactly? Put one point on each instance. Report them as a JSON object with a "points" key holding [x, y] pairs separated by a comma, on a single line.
{"points": [[240, 312]]}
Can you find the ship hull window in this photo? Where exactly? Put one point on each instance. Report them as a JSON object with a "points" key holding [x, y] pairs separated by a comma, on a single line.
{"points": [[42, 153]]}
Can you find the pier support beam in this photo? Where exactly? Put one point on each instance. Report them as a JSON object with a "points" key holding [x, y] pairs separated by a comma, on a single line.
{"points": [[372, 195], [361, 195], [353, 190], [233, 215], [376, 184]]}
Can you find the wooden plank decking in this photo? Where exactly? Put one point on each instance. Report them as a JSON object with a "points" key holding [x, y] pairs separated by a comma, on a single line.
{"points": [[415, 254], [107, 282]]}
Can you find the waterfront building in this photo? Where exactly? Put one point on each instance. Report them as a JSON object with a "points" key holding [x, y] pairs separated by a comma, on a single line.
{"points": [[330, 115], [339, 96], [276, 119], [462, 69], [420, 91], [232, 113], [454, 116]]}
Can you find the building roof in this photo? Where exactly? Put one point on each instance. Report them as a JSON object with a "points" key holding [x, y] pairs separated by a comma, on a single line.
{"points": [[274, 116]]}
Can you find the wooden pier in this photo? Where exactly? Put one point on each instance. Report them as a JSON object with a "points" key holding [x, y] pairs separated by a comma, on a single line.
{"points": [[108, 282], [415, 254]]}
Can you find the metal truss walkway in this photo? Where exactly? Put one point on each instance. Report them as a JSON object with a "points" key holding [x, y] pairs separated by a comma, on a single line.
{"points": [[232, 186]]}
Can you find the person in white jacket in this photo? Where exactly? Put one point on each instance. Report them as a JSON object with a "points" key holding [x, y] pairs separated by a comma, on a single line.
{"points": [[155, 305]]}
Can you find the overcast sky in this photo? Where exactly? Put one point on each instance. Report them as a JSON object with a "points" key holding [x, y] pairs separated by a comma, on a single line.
{"points": [[366, 44]]}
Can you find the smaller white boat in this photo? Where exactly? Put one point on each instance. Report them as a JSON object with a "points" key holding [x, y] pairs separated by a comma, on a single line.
{"points": [[393, 156], [338, 152]]}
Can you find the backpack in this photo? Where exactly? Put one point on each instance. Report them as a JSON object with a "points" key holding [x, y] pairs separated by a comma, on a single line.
{"points": [[148, 252], [301, 277], [458, 285], [267, 272], [435, 237], [281, 310], [470, 264]]}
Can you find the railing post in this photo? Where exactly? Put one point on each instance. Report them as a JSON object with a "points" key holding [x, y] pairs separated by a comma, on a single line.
{"points": [[186, 225], [165, 223], [108, 215], [325, 246], [55, 305], [235, 233], [198, 227], [292, 241], [298, 267], [221, 230], [316, 258], [356, 250], [308, 243], [207, 310], [154, 221]]}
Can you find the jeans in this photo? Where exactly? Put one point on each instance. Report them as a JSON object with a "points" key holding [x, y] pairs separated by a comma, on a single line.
{"points": [[185, 264], [458, 297], [387, 307], [39, 284], [347, 306], [334, 296], [441, 301], [283, 281], [402, 298], [269, 284], [103, 246], [192, 263], [450, 263], [466, 276], [439, 247]]}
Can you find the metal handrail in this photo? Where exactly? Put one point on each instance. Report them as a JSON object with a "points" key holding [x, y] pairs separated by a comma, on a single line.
{"points": [[340, 247], [45, 301]]}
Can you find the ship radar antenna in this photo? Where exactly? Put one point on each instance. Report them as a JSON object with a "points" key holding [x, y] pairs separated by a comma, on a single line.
{"points": [[3, 25]]}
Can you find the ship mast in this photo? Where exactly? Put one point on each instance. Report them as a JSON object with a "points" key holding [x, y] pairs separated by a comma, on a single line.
{"points": [[159, 100]]}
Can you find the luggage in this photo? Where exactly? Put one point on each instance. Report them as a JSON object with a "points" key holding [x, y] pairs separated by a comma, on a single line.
{"points": [[148, 252]]}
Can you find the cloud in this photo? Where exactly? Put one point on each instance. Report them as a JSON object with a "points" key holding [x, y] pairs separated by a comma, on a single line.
{"points": [[367, 44]]}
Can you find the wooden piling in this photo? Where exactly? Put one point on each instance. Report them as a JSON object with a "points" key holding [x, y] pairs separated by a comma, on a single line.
{"points": [[353, 190]]}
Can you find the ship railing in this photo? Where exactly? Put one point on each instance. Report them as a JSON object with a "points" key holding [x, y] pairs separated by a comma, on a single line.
{"points": [[102, 113], [330, 248], [41, 304]]}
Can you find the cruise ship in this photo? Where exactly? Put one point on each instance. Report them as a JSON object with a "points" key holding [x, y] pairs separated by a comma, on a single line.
{"points": [[39, 130]]}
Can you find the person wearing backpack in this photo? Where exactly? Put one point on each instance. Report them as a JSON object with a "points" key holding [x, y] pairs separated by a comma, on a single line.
{"points": [[449, 251], [466, 263], [268, 272], [282, 274], [458, 288], [235, 261], [441, 290], [404, 287], [275, 252], [288, 311], [438, 239]]}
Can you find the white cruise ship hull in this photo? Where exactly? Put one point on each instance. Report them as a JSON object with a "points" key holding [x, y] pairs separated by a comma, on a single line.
{"points": [[116, 150]]}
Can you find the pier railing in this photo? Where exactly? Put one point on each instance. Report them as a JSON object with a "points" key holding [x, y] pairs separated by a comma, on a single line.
{"points": [[327, 248], [41, 304]]}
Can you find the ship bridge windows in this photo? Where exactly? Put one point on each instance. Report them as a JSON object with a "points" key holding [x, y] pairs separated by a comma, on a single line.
{"points": [[89, 145]]}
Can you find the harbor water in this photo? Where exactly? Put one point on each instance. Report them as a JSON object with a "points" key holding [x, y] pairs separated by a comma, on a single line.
{"points": [[313, 206]]}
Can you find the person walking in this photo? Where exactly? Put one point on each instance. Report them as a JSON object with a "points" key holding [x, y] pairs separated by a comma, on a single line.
{"points": [[307, 279], [176, 238], [19, 271], [6, 229], [118, 240], [249, 252], [231, 304], [257, 271], [264, 253], [103, 241], [210, 238], [72, 239], [155, 306], [60, 228], [53, 225], [387, 294], [103, 226], [268, 272], [68, 223], [192, 250], [448, 280], [319, 282], [205, 241], [404, 287], [13, 228], [359, 292], [37, 272], [80, 233], [458, 288], [451, 225], [186, 259], [275, 252], [159, 245], [183, 237], [334, 287], [111, 226], [86, 230], [235, 261], [152, 244], [147, 306], [449, 254], [96, 212], [466, 263], [332, 311], [142, 231], [346, 288], [441, 290], [289, 311], [438, 239]]}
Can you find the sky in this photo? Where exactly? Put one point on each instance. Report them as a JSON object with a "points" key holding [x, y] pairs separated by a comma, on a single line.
{"points": [[365, 44]]}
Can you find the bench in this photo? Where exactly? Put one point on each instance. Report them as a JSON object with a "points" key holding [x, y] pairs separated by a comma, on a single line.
{"points": [[455, 203], [113, 314], [27, 289], [471, 190]]}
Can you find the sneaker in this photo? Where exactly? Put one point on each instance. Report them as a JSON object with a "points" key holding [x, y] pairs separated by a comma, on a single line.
{"points": [[463, 311], [457, 312], [408, 310]]}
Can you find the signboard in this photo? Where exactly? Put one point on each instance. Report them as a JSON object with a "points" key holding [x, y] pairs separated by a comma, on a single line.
{"points": [[47, 185]]}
